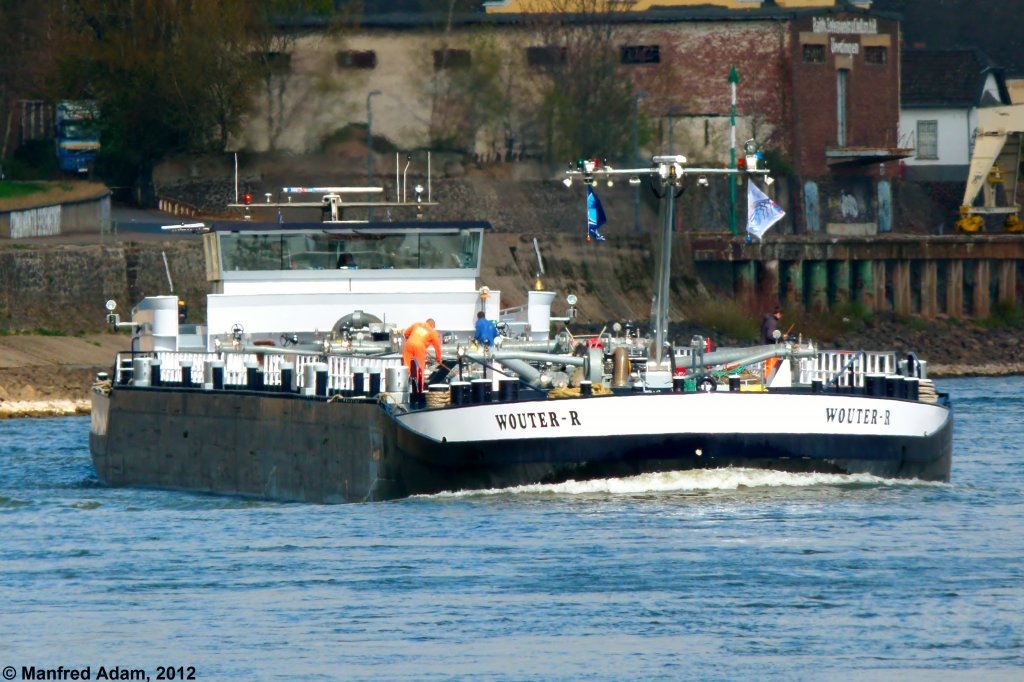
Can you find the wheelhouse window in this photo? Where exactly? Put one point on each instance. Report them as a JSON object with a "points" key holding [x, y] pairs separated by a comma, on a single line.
{"points": [[254, 252], [640, 54], [357, 59], [928, 140], [451, 59]]}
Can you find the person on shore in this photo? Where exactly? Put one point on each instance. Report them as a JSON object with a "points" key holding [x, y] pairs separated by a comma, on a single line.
{"points": [[486, 330], [418, 337], [769, 325]]}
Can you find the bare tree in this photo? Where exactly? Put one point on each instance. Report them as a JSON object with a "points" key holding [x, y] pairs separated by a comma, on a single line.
{"points": [[585, 101]]}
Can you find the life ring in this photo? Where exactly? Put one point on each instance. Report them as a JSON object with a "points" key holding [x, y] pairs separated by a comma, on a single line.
{"points": [[707, 384]]}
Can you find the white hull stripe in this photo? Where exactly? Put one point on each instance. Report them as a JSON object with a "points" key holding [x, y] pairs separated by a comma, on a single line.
{"points": [[680, 414]]}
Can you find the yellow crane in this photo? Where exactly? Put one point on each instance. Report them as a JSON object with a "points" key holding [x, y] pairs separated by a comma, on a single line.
{"points": [[995, 166]]}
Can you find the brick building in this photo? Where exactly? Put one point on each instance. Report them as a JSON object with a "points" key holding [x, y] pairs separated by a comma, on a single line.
{"points": [[819, 89]]}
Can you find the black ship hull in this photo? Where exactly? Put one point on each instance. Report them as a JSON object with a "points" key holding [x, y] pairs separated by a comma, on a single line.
{"points": [[292, 448]]}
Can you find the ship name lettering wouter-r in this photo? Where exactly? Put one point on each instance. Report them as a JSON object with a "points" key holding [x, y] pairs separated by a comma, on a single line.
{"points": [[535, 420], [857, 415]]}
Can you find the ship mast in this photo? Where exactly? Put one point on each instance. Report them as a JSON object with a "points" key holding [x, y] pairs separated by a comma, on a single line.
{"points": [[667, 175]]}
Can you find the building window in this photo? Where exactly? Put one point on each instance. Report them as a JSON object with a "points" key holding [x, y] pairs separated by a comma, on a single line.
{"points": [[545, 56], [876, 54], [928, 139], [357, 59], [451, 59], [640, 54], [814, 54]]}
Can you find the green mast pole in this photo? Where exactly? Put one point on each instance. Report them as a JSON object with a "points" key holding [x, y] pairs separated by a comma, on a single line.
{"points": [[734, 78]]}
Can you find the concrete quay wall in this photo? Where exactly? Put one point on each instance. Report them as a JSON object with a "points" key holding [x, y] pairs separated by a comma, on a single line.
{"points": [[960, 276]]}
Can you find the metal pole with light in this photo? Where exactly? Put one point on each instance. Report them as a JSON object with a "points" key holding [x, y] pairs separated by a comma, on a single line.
{"points": [[636, 157], [369, 142], [370, 137], [734, 78]]}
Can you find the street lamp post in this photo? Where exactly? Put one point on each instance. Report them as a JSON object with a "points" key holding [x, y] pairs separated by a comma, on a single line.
{"points": [[734, 78], [369, 143], [636, 156], [369, 136]]}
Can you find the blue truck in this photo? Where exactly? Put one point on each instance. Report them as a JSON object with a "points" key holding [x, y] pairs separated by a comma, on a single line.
{"points": [[78, 139]]}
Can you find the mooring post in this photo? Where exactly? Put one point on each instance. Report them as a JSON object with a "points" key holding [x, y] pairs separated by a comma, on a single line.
{"points": [[819, 286], [982, 297], [929, 289], [901, 286], [866, 279], [881, 295], [1008, 282], [770, 279], [745, 279], [842, 282], [955, 288], [795, 284]]}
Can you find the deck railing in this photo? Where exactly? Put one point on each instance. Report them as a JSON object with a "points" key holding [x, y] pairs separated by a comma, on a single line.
{"points": [[341, 369], [846, 368]]}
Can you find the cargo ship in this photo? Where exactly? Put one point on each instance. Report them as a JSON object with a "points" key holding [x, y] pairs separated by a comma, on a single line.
{"points": [[294, 387]]}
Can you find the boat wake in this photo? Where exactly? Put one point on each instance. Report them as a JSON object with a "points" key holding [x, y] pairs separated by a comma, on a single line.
{"points": [[697, 480]]}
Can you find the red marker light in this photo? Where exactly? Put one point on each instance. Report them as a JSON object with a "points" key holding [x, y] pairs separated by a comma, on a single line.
{"points": [[741, 163], [247, 198]]}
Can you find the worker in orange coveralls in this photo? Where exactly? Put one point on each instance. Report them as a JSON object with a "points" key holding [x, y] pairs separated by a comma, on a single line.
{"points": [[418, 337]]}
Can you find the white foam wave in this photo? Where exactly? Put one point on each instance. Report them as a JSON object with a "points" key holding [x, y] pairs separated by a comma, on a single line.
{"points": [[692, 481]]}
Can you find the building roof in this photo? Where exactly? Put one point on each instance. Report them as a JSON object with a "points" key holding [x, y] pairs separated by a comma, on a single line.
{"points": [[947, 78], [428, 14]]}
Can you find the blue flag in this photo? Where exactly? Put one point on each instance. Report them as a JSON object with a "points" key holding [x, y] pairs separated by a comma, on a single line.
{"points": [[762, 212], [595, 216]]}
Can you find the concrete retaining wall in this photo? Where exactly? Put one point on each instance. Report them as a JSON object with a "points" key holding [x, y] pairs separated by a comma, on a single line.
{"points": [[77, 217]]}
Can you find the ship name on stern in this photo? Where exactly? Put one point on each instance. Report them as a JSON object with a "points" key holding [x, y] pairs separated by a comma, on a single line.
{"points": [[536, 420]]}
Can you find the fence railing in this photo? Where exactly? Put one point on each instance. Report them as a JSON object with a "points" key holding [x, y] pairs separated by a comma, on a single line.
{"points": [[846, 368], [341, 369]]}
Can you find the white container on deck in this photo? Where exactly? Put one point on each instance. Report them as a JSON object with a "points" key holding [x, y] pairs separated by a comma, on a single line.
{"points": [[538, 314], [157, 317]]}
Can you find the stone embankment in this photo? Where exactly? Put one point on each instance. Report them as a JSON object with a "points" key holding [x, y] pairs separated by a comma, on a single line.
{"points": [[13, 409]]}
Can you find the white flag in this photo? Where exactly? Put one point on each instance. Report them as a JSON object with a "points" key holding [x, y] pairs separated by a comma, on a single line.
{"points": [[762, 212]]}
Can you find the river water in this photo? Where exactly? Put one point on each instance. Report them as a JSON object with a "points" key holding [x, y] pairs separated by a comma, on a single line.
{"points": [[703, 575]]}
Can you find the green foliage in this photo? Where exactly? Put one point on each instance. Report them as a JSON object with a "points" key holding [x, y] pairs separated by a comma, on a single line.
{"points": [[1005, 315], [48, 332], [587, 106], [10, 190], [33, 160], [727, 317], [169, 77]]}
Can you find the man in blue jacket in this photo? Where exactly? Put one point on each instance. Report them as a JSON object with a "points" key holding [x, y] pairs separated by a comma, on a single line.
{"points": [[486, 330]]}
